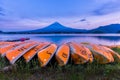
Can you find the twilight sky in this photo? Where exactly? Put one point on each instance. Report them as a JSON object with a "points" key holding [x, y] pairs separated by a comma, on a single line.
{"points": [[18, 15]]}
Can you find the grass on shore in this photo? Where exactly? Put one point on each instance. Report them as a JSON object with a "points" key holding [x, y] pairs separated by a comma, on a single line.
{"points": [[32, 71]]}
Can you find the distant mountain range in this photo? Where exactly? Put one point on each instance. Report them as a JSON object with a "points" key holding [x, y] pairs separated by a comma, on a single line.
{"points": [[113, 28], [0, 31], [58, 28]]}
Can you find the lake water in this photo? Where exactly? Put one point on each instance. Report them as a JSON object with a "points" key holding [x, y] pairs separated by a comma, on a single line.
{"points": [[106, 39]]}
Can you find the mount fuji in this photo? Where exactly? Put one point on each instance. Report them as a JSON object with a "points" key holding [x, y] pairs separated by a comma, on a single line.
{"points": [[57, 28]]}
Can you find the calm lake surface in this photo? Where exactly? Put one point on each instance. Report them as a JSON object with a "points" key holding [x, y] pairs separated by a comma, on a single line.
{"points": [[106, 39]]}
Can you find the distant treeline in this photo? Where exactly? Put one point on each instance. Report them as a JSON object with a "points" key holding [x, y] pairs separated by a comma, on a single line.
{"points": [[40, 33], [94, 32], [1, 32]]}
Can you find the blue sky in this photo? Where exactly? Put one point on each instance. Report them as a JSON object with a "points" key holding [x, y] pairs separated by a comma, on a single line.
{"points": [[18, 15]]}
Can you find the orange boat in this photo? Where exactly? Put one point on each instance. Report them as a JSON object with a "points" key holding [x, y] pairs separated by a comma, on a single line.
{"points": [[45, 55], [100, 55], [107, 53], [113, 53], [5, 43], [4, 49], [15, 54], [89, 54], [30, 54], [78, 53], [62, 54], [2, 44]]}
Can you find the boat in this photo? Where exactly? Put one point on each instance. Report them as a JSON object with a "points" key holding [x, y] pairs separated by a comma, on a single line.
{"points": [[115, 55], [79, 54], [62, 54], [100, 55], [6, 48], [15, 54], [6, 43], [16, 40], [46, 54], [90, 55], [107, 53], [31, 53]]}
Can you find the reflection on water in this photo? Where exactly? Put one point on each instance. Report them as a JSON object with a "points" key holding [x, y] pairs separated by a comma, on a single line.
{"points": [[106, 39], [110, 38]]}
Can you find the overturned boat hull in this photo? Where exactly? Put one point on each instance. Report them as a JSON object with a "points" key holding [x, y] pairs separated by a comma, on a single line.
{"points": [[45, 55], [62, 54], [15, 54], [100, 55], [31, 53], [79, 54]]}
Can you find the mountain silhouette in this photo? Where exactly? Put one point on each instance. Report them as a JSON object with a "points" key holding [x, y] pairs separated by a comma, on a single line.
{"points": [[112, 28], [1, 31], [58, 28]]}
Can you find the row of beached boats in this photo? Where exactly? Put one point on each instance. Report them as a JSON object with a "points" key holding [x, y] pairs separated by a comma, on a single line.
{"points": [[79, 53]]}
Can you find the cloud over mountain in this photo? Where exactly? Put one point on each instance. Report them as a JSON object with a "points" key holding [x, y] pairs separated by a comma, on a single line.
{"points": [[1, 12], [110, 6]]}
